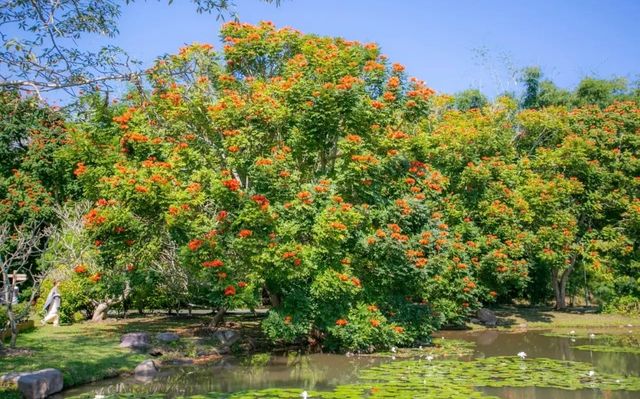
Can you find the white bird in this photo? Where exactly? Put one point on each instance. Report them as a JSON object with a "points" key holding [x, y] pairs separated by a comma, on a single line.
{"points": [[592, 336], [522, 355], [393, 349], [629, 325], [304, 395], [429, 358], [591, 373], [572, 332], [420, 347], [99, 396], [393, 358]]}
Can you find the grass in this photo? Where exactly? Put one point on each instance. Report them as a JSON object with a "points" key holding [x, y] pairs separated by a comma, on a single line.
{"points": [[86, 352], [546, 318]]}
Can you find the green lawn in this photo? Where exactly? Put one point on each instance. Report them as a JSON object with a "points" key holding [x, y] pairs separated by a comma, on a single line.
{"points": [[545, 318], [87, 351]]}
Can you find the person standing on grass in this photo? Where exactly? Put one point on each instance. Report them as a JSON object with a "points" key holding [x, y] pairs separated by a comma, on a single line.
{"points": [[52, 304]]}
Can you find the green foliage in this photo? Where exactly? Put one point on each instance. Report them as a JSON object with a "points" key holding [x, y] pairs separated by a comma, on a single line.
{"points": [[311, 170], [470, 99]]}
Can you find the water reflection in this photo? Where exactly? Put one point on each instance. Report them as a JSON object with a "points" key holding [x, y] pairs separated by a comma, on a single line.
{"points": [[325, 371]]}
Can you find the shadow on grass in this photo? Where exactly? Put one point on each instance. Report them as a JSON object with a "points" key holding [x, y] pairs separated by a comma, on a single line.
{"points": [[509, 317]]}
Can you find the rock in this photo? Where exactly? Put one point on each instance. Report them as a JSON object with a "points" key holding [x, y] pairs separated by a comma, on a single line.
{"points": [[487, 317], [135, 341], [146, 369], [227, 337], [167, 337], [40, 384]]}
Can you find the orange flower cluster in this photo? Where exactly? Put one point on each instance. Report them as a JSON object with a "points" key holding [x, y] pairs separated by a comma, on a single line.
{"points": [[124, 119], [421, 262], [305, 197], [245, 233], [354, 138], [367, 158], [80, 169], [94, 218], [80, 269], [371, 66], [338, 226], [230, 290], [195, 244], [397, 135], [261, 200], [347, 82], [404, 205], [289, 254], [374, 323], [213, 263], [231, 184], [388, 96], [341, 322], [95, 277]]}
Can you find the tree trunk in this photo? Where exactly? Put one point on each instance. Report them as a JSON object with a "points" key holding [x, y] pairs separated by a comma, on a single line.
{"points": [[560, 288], [10, 314], [217, 319], [100, 313]]}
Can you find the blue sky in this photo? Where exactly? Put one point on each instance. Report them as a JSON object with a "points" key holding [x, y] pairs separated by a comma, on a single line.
{"points": [[452, 45]]}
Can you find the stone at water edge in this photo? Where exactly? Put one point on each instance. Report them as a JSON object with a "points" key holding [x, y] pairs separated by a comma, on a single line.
{"points": [[167, 337], [148, 368], [40, 384], [487, 317], [227, 337], [135, 341]]}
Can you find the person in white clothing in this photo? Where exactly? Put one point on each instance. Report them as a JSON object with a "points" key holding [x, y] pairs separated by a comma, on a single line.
{"points": [[52, 305]]}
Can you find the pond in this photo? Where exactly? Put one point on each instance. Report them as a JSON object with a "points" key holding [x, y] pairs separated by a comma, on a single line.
{"points": [[583, 364]]}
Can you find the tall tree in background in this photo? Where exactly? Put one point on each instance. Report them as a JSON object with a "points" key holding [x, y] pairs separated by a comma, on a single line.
{"points": [[39, 43]]}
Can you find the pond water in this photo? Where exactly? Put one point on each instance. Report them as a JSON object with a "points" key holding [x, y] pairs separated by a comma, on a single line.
{"points": [[584, 365]]}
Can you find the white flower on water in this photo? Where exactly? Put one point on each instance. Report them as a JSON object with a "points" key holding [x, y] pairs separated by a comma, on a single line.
{"points": [[522, 355], [572, 332], [304, 395], [591, 373]]}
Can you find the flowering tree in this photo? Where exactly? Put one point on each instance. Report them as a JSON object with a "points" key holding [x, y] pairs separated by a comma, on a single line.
{"points": [[290, 164]]}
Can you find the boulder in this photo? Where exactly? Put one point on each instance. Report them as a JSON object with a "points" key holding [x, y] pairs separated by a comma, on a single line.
{"points": [[167, 337], [135, 341], [227, 337], [40, 384], [487, 317], [146, 369]]}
